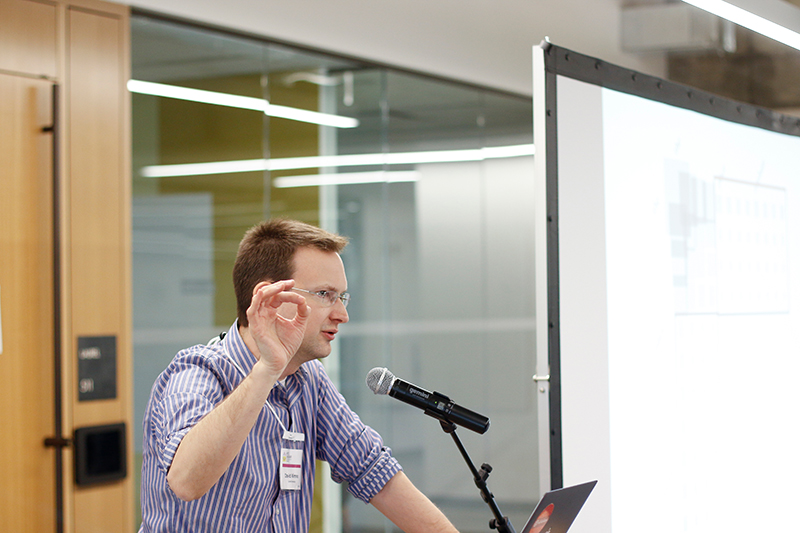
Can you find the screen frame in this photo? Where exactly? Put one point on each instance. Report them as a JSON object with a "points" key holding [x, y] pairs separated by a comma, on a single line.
{"points": [[549, 62]]}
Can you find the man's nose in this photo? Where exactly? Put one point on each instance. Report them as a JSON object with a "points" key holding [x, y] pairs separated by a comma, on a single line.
{"points": [[339, 312]]}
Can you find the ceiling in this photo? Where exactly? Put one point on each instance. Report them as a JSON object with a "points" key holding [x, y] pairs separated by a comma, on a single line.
{"points": [[759, 71], [755, 69]]}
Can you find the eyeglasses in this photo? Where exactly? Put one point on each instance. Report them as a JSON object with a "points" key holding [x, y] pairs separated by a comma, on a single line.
{"points": [[328, 298]]}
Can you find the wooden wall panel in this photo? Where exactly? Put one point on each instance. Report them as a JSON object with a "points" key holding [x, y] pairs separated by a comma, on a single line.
{"points": [[99, 236], [95, 163], [28, 37]]}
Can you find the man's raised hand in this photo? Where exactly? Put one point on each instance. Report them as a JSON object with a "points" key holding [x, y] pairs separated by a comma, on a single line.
{"points": [[277, 335]]}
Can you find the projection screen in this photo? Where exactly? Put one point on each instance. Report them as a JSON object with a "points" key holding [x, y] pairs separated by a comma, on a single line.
{"points": [[670, 223]]}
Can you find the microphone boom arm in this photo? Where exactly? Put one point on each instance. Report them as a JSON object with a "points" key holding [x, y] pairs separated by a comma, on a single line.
{"points": [[450, 415], [501, 523]]}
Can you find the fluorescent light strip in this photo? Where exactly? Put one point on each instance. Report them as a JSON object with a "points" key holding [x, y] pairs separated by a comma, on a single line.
{"points": [[241, 102], [750, 20], [355, 160], [346, 178]]}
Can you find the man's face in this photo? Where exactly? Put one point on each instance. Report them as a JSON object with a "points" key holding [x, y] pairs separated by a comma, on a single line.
{"points": [[316, 270]]}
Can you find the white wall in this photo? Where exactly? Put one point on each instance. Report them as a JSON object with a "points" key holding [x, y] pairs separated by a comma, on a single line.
{"points": [[487, 42]]}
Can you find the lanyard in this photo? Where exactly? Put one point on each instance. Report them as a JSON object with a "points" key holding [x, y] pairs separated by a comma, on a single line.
{"points": [[244, 375], [291, 456], [285, 431]]}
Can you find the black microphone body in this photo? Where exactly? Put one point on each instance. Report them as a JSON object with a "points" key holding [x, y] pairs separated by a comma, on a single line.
{"points": [[434, 404]]}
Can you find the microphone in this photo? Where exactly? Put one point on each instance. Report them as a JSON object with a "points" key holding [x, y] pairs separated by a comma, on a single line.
{"points": [[439, 406]]}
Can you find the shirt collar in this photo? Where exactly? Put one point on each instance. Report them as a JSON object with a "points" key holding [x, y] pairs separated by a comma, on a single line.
{"points": [[237, 350]]}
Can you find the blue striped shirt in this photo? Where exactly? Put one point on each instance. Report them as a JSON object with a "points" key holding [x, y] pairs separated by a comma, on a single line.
{"points": [[248, 498]]}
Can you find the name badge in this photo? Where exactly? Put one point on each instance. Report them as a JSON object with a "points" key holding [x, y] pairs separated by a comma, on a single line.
{"points": [[291, 470]]}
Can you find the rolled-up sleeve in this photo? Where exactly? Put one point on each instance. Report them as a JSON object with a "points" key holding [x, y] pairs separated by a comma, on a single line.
{"points": [[189, 394], [378, 474]]}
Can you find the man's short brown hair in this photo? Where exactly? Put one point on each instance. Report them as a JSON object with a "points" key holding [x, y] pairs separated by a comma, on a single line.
{"points": [[266, 253]]}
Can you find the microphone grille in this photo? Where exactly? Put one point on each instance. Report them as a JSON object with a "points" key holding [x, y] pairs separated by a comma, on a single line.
{"points": [[379, 380]]}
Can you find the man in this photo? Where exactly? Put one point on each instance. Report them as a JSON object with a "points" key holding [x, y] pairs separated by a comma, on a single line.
{"points": [[232, 428]]}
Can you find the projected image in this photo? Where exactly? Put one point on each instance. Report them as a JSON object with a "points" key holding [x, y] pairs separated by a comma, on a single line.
{"points": [[752, 248], [702, 335], [729, 247], [678, 300]]}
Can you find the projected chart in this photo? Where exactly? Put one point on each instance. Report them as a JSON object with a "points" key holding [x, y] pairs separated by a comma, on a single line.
{"points": [[728, 244]]}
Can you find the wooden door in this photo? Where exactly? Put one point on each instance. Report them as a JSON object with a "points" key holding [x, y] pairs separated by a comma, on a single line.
{"points": [[27, 467], [83, 46]]}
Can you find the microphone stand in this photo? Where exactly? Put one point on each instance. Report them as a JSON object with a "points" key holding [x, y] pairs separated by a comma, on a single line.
{"points": [[501, 523]]}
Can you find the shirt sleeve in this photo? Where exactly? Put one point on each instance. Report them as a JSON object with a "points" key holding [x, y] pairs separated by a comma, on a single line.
{"points": [[355, 452], [191, 391]]}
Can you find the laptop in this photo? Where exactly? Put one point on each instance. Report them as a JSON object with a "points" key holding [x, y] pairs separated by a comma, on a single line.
{"points": [[558, 508]]}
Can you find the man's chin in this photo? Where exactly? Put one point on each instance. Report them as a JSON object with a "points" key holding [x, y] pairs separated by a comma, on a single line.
{"points": [[321, 353]]}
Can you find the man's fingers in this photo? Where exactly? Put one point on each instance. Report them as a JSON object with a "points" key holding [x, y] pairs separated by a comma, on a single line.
{"points": [[276, 294], [303, 310], [266, 289]]}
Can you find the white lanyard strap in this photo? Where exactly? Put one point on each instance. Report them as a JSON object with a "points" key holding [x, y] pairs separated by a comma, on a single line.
{"points": [[276, 417], [244, 375]]}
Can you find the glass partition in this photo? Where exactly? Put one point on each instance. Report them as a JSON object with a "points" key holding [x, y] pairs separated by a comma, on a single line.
{"points": [[433, 185]]}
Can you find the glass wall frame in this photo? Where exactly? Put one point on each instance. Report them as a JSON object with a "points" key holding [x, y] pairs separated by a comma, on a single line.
{"points": [[440, 263]]}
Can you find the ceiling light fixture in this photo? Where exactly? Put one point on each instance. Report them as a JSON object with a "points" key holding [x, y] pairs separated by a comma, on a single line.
{"points": [[331, 161], [241, 102], [759, 16], [346, 178]]}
